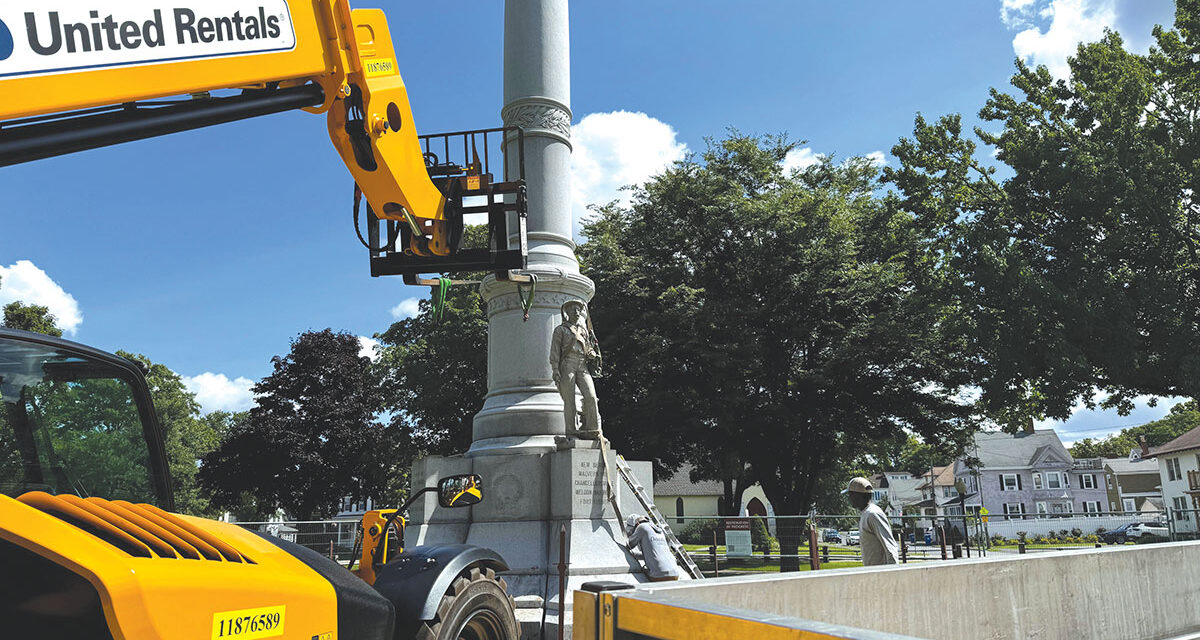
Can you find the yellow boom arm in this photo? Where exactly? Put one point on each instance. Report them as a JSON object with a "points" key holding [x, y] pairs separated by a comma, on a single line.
{"points": [[73, 77]]}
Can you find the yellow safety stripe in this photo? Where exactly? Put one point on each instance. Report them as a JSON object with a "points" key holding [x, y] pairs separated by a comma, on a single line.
{"points": [[668, 622]]}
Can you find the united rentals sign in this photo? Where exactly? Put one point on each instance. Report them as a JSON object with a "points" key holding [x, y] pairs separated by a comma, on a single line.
{"points": [[39, 37]]}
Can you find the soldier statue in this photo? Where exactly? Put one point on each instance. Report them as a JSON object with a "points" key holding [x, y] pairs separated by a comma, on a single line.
{"points": [[574, 360]]}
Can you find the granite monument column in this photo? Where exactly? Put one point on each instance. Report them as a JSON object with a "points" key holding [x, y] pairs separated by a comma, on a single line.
{"points": [[523, 411]]}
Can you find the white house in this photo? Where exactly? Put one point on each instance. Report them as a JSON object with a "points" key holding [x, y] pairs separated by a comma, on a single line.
{"points": [[678, 498], [1179, 471]]}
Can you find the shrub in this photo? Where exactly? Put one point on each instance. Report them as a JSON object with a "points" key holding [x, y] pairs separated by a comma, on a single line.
{"points": [[700, 532], [1062, 533], [760, 537], [1021, 536], [998, 540], [1091, 538], [1040, 539], [1076, 532]]}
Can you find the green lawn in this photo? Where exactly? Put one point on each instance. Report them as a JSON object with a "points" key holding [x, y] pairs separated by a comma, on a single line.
{"points": [[770, 567]]}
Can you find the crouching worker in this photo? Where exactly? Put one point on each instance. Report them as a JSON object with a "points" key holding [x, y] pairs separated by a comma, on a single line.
{"points": [[648, 543]]}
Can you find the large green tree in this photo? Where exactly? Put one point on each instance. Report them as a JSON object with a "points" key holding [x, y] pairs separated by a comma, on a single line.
{"points": [[1082, 269], [310, 440], [30, 317], [786, 321], [432, 371]]}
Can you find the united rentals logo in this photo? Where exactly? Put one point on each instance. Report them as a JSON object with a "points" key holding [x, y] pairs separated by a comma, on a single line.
{"points": [[6, 42], [69, 35]]}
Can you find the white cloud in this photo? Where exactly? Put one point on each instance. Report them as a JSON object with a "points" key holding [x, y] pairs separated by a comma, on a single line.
{"points": [[24, 281], [216, 392], [801, 159], [368, 347], [877, 158], [1101, 423], [408, 308], [1070, 22], [617, 149], [1015, 12]]}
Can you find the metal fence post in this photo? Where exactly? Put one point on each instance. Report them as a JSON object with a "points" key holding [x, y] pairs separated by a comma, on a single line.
{"points": [[814, 560]]}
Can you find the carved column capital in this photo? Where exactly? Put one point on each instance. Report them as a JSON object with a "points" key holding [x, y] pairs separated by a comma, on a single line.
{"points": [[539, 116]]}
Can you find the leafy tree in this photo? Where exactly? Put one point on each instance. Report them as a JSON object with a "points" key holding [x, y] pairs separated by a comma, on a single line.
{"points": [[187, 436], [1080, 271], [787, 321], [31, 317], [433, 373], [311, 438]]}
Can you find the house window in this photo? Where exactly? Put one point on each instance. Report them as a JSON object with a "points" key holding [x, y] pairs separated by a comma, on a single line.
{"points": [[1173, 472], [949, 492], [1061, 507], [1013, 508], [1108, 481], [1037, 481], [678, 510], [1054, 480], [1129, 504], [1041, 509], [1091, 506], [1087, 481], [1010, 482], [1181, 513]]}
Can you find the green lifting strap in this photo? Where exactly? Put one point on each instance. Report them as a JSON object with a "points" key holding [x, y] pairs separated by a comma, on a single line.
{"points": [[527, 300], [439, 298]]}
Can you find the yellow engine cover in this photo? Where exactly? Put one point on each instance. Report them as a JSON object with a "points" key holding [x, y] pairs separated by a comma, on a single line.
{"points": [[167, 576]]}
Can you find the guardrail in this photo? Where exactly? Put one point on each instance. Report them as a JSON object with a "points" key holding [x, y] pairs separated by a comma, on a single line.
{"points": [[331, 538]]}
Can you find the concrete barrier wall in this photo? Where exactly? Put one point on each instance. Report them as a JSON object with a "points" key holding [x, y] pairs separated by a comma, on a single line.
{"points": [[1143, 592]]}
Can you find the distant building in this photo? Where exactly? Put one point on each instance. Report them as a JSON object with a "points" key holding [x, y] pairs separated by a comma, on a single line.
{"points": [[1133, 486], [1179, 476], [679, 499], [901, 491], [1030, 472]]}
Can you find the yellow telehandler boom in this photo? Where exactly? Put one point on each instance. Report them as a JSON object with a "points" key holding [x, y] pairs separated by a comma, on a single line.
{"points": [[79, 75]]}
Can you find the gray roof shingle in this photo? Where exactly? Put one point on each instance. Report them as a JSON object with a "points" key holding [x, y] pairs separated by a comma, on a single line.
{"points": [[681, 484], [1123, 466], [999, 450]]}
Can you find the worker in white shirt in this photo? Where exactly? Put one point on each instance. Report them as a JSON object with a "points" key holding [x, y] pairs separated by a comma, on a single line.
{"points": [[874, 531]]}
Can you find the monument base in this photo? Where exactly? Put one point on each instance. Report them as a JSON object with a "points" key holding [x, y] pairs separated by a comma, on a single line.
{"points": [[528, 499]]}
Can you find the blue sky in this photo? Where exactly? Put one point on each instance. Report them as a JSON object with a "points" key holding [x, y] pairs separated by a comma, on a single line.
{"points": [[208, 251]]}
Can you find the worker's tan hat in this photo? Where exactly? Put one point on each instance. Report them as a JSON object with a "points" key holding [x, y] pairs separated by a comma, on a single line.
{"points": [[858, 485]]}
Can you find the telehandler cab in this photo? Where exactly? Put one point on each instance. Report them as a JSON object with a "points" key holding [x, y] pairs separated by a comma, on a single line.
{"points": [[89, 548]]}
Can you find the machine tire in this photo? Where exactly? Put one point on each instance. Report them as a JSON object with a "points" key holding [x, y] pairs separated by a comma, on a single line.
{"points": [[477, 607]]}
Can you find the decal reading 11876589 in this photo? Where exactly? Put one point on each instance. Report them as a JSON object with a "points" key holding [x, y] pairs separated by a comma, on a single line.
{"points": [[52, 36], [248, 624]]}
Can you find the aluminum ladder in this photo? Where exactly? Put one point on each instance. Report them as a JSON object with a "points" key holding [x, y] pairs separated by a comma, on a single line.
{"points": [[681, 555]]}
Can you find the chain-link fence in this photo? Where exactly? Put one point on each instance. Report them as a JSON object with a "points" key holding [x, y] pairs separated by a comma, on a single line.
{"points": [[820, 540], [331, 538], [1183, 524]]}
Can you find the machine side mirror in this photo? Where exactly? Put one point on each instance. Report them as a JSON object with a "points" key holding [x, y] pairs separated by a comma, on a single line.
{"points": [[460, 491]]}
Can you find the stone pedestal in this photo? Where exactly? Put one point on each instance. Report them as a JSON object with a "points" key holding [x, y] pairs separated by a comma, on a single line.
{"points": [[528, 497]]}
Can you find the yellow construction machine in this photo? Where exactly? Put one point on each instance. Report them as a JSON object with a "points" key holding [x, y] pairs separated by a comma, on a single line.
{"points": [[89, 547], [90, 550], [75, 77]]}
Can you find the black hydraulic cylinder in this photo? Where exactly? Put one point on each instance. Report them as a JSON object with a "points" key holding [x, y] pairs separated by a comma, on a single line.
{"points": [[35, 141]]}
